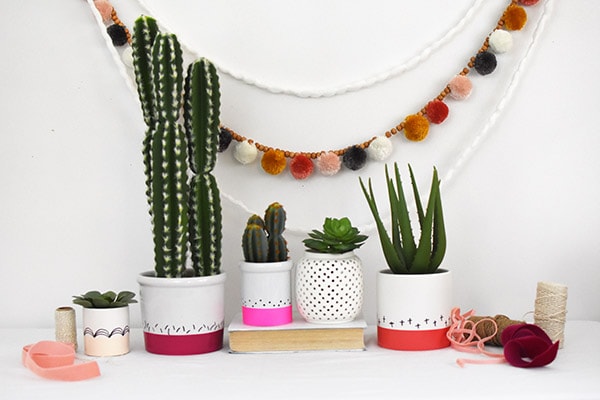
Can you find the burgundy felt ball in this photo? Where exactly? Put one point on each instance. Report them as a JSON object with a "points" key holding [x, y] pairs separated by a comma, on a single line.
{"points": [[436, 111], [301, 166], [485, 63]]}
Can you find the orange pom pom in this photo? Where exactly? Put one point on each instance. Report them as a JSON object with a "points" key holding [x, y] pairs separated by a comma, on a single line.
{"points": [[273, 161], [515, 18], [416, 127]]}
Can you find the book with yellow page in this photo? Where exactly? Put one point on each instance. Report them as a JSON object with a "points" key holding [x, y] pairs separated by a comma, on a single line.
{"points": [[298, 335]]}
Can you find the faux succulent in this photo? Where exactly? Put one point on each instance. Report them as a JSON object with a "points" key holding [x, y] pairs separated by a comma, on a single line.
{"points": [[403, 255], [179, 153], [262, 240], [338, 236], [95, 299]]}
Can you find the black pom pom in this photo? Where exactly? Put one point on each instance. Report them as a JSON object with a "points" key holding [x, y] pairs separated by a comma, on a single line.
{"points": [[224, 140], [354, 158], [118, 34], [485, 63]]}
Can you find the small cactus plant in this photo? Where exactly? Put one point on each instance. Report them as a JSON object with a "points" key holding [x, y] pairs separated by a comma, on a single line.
{"points": [[263, 239], [338, 236], [184, 206]]}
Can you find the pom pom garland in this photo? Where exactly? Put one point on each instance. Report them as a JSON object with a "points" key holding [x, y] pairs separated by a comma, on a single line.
{"points": [[329, 163], [436, 111], [380, 148], [273, 162], [485, 63], [416, 127], [500, 41], [460, 87], [301, 166], [355, 158], [515, 18], [245, 152]]}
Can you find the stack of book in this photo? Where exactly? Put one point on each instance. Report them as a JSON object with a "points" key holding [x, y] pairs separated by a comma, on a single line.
{"points": [[296, 336]]}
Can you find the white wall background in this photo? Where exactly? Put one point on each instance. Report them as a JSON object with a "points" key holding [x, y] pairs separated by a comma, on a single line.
{"points": [[521, 208]]}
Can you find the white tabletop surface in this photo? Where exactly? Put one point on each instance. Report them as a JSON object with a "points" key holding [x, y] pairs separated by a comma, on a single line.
{"points": [[374, 373]]}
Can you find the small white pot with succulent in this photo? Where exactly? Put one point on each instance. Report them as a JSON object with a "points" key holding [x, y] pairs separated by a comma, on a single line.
{"points": [[414, 296], [329, 278], [266, 270], [105, 322]]}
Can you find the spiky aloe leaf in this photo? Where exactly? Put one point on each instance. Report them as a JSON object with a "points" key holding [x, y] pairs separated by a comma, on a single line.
{"points": [[402, 234], [439, 229], [205, 225]]}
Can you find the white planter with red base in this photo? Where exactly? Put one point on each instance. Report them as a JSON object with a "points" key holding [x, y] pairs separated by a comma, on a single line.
{"points": [[182, 316], [413, 311], [266, 293]]}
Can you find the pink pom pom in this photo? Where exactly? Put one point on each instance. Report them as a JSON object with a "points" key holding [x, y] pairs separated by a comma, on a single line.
{"points": [[301, 166], [329, 163], [104, 8], [460, 87]]}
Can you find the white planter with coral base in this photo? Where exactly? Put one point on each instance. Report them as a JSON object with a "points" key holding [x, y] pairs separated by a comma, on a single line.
{"points": [[266, 293], [182, 316], [106, 331], [329, 287], [413, 310]]}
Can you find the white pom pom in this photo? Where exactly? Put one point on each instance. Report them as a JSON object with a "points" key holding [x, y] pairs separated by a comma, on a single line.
{"points": [[245, 152], [500, 41], [127, 57], [380, 148]]}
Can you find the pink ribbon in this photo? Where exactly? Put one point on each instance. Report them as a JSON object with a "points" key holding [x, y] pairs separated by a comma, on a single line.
{"points": [[56, 360]]}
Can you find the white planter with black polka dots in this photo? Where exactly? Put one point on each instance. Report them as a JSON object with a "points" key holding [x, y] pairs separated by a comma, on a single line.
{"points": [[266, 293], [329, 287]]}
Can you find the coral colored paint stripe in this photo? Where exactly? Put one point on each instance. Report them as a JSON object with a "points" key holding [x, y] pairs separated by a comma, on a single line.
{"points": [[181, 345], [412, 340], [267, 316]]}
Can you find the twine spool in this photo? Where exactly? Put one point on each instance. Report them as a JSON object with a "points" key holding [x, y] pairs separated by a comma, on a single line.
{"points": [[64, 326], [485, 327], [551, 310]]}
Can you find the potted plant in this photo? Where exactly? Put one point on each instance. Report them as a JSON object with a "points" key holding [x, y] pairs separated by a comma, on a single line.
{"points": [[266, 270], [182, 307], [329, 278], [105, 322], [414, 297]]}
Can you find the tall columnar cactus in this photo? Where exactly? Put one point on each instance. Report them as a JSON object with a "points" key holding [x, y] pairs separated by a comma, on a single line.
{"points": [[185, 207], [263, 240]]}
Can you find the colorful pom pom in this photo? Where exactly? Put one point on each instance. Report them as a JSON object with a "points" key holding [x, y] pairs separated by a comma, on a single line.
{"points": [[355, 158], [127, 56], [528, 2], [515, 17], [380, 148], [104, 8], [500, 41], [329, 163], [245, 152], [301, 166], [485, 63], [460, 87], [118, 34], [436, 111], [416, 127], [273, 161], [224, 140]]}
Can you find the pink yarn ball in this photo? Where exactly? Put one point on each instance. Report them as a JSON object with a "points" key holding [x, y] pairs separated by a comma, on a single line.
{"points": [[104, 8], [528, 2], [460, 87], [329, 163]]}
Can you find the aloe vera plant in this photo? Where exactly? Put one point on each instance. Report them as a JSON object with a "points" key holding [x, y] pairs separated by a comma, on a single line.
{"points": [[179, 156], [402, 253], [338, 236]]}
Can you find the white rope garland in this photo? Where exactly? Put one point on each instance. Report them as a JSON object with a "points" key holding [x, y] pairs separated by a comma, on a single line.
{"points": [[344, 88]]}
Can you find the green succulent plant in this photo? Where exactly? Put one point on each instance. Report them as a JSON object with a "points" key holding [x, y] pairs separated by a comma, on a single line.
{"points": [[402, 254], [338, 236], [110, 299]]}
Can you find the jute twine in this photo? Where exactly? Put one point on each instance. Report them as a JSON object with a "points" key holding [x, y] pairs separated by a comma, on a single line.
{"points": [[551, 310], [64, 326], [485, 327]]}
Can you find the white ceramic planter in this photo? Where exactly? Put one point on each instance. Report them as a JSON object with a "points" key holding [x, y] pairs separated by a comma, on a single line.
{"points": [[106, 331], [413, 311], [329, 287], [266, 293], [182, 316]]}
